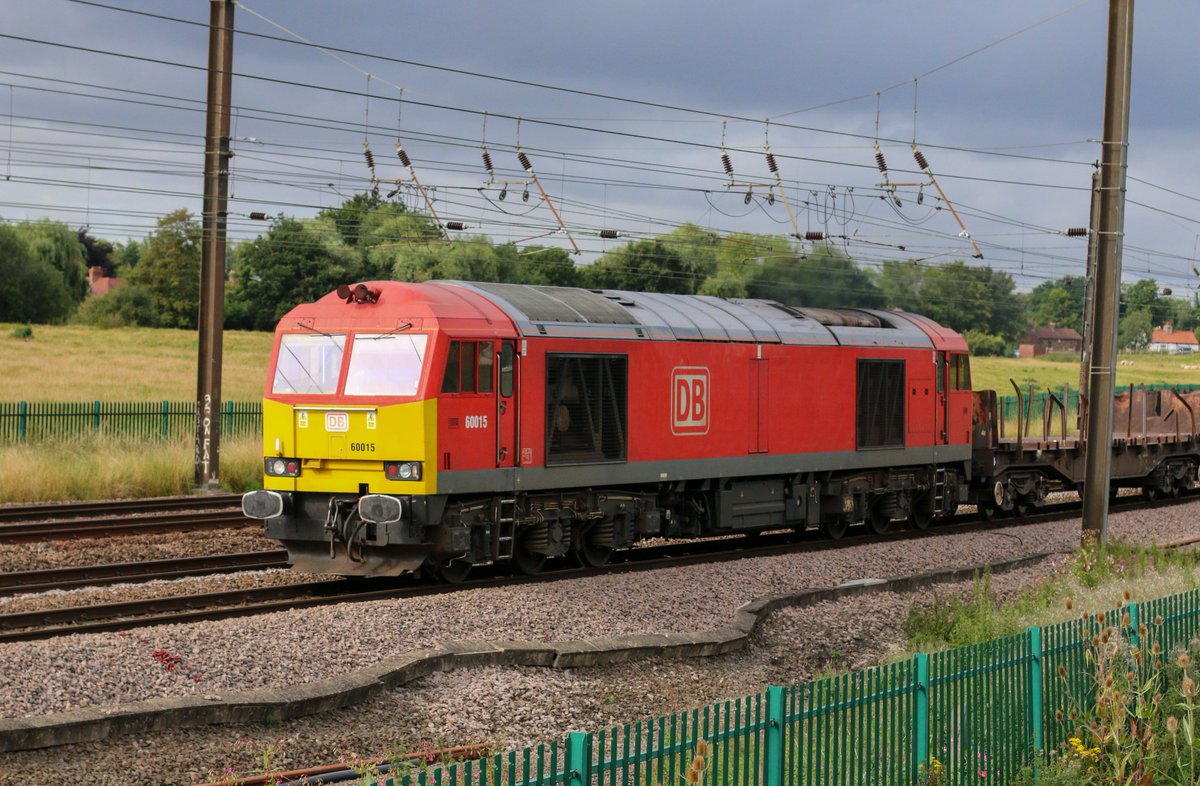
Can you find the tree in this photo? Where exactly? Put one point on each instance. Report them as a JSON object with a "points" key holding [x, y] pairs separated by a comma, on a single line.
{"points": [[1143, 296], [292, 262], [127, 306], [169, 269], [58, 246], [97, 252], [126, 256], [1134, 330], [901, 282], [388, 232], [474, 259], [968, 297], [542, 265], [31, 289], [643, 266], [985, 344], [1060, 301], [825, 278]]}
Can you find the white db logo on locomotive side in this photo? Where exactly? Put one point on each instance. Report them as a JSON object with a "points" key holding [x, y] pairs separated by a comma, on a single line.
{"points": [[689, 400]]}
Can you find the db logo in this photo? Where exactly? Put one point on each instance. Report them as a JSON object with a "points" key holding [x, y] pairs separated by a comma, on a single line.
{"points": [[689, 400]]}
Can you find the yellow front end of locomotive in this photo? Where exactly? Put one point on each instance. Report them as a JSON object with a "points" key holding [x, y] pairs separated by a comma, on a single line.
{"points": [[353, 449]]}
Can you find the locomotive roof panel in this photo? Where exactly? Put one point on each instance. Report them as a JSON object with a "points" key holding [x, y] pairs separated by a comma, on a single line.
{"points": [[398, 302], [584, 313]]}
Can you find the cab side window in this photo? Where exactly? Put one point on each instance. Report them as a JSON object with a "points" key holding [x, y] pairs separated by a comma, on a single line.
{"points": [[469, 367]]}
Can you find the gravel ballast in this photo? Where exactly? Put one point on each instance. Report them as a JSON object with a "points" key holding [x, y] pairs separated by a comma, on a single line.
{"points": [[131, 548], [293, 647]]}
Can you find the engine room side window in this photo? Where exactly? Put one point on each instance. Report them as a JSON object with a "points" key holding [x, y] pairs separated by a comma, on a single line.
{"points": [[308, 363], [469, 367], [386, 365], [880, 403], [586, 411]]}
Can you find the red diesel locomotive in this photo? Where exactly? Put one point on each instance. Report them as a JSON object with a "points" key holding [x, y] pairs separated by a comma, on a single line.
{"points": [[447, 424]]}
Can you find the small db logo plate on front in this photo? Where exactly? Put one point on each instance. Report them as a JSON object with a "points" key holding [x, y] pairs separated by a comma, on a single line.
{"points": [[689, 400], [337, 421]]}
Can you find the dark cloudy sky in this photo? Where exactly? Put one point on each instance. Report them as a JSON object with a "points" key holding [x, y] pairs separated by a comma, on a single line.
{"points": [[1009, 130]]}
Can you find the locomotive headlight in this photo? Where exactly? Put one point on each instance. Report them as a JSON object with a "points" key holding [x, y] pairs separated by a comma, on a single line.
{"points": [[402, 470], [282, 467]]}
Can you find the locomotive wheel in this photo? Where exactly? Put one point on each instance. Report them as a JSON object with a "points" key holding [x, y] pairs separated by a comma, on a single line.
{"points": [[834, 529], [452, 571], [919, 514], [879, 517], [593, 554], [595, 547], [528, 562]]}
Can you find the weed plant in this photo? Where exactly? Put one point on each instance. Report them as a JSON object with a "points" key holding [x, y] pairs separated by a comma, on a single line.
{"points": [[1092, 578], [1136, 725], [100, 467]]}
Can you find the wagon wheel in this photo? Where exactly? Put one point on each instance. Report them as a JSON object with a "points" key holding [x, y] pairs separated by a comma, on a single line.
{"points": [[525, 559], [987, 509], [1152, 492], [1024, 506], [451, 571], [920, 512], [834, 529]]}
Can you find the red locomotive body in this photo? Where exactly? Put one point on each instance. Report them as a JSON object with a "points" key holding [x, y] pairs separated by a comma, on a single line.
{"points": [[533, 422]]}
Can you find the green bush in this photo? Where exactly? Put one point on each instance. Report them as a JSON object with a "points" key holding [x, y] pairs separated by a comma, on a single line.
{"points": [[986, 344]]}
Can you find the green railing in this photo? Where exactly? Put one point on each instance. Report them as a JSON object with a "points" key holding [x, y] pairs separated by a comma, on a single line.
{"points": [[984, 712], [26, 421]]}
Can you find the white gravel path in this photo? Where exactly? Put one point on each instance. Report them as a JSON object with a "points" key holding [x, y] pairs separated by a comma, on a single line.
{"points": [[467, 706]]}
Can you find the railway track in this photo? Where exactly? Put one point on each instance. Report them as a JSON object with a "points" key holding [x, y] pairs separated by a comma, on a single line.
{"points": [[29, 529], [67, 510], [50, 623], [98, 575]]}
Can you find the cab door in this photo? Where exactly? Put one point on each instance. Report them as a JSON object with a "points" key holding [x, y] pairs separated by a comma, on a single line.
{"points": [[941, 411], [507, 410]]}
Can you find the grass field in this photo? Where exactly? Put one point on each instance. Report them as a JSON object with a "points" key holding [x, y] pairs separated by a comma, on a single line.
{"points": [[1052, 371], [74, 363]]}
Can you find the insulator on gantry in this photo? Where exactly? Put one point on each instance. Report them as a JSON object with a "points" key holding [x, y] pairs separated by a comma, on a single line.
{"points": [[524, 159], [402, 155], [920, 159], [814, 235], [881, 162], [771, 165], [367, 154], [609, 234], [727, 163], [487, 161], [1076, 232], [456, 225]]}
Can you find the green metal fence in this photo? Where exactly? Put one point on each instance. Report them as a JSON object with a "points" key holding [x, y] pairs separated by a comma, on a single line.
{"points": [[984, 712], [35, 421]]}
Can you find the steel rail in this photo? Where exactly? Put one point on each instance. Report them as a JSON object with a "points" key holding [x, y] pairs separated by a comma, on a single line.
{"points": [[103, 526], [120, 572], [63, 510]]}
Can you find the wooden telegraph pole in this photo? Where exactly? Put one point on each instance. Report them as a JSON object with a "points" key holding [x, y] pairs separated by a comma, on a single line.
{"points": [[212, 245], [1109, 237]]}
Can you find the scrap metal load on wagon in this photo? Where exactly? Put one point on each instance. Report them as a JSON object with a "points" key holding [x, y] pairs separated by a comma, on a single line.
{"points": [[446, 424]]}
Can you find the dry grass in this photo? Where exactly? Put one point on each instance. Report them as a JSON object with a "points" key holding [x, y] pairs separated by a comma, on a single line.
{"points": [[109, 468], [75, 363]]}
